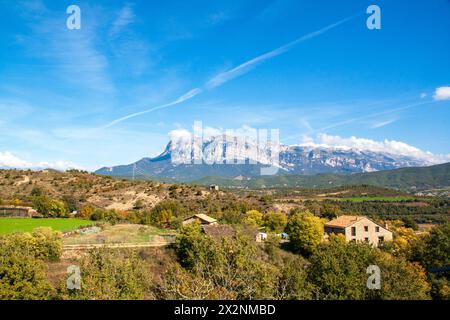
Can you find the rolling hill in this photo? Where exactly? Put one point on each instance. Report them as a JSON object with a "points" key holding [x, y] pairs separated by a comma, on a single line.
{"points": [[420, 178]]}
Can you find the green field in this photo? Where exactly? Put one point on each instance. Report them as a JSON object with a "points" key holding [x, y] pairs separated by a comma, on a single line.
{"points": [[382, 199], [10, 225]]}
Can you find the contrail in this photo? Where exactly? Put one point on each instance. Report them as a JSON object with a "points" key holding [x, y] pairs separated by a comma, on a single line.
{"points": [[226, 76], [374, 115], [185, 97], [247, 66]]}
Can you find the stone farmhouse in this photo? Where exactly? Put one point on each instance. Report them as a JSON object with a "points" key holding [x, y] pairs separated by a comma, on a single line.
{"points": [[358, 228]]}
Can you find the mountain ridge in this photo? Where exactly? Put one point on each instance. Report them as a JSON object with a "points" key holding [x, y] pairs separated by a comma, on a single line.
{"points": [[176, 161]]}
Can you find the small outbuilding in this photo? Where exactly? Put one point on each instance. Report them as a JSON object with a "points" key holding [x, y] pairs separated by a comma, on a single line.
{"points": [[203, 219], [17, 212], [261, 237], [213, 187]]}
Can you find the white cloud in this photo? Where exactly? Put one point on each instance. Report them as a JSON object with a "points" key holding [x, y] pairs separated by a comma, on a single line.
{"points": [[9, 161], [125, 17], [218, 18], [442, 93], [180, 134], [73, 56], [387, 146]]}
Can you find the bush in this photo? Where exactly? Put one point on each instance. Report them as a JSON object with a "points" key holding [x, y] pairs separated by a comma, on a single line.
{"points": [[22, 267], [108, 274], [233, 265]]}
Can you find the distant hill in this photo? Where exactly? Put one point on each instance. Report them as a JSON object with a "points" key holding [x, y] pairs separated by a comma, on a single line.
{"points": [[410, 179]]}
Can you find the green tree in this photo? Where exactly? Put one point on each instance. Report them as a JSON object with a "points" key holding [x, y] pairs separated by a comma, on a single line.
{"points": [[166, 214], [253, 217], [108, 274], [339, 271], [234, 265], [22, 264], [275, 221], [292, 282], [71, 202], [37, 192], [305, 232], [433, 251], [49, 207], [58, 209]]}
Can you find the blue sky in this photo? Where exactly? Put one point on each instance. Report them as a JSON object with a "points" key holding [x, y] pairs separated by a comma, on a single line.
{"points": [[64, 92]]}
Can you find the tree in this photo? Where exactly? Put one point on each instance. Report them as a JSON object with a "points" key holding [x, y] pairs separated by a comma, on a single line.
{"points": [[234, 265], [49, 207], [166, 213], [97, 214], [86, 211], [275, 221], [180, 284], [108, 274], [253, 217], [72, 203], [401, 245], [191, 245], [138, 204], [330, 211], [305, 232], [401, 280], [37, 192], [46, 244], [433, 251], [339, 271], [410, 223], [58, 209], [292, 282], [22, 264]]}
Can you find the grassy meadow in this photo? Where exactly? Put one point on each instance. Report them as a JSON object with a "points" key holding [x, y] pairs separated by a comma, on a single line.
{"points": [[10, 225]]}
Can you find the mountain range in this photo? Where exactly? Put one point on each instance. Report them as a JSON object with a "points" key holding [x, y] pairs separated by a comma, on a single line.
{"points": [[176, 164]]}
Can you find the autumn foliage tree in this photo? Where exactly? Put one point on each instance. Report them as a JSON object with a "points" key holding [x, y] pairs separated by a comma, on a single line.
{"points": [[305, 232]]}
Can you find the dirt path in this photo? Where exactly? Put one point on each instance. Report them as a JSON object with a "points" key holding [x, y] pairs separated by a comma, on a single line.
{"points": [[26, 179]]}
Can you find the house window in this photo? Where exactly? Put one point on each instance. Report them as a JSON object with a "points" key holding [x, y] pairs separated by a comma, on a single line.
{"points": [[366, 228], [380, 240], [353, 231], [366, 239], [377, 229]]}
